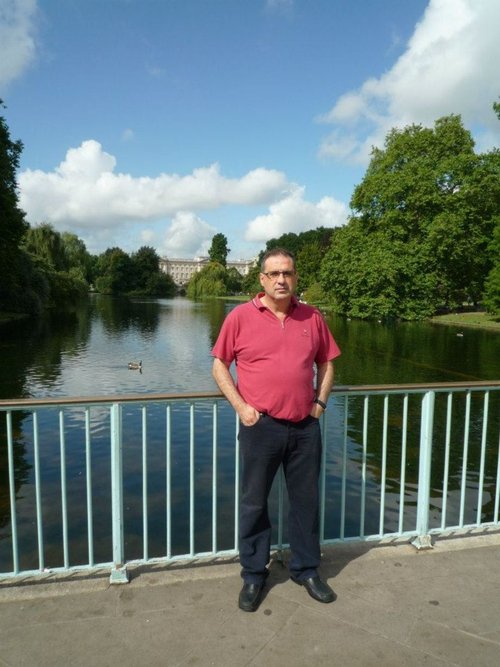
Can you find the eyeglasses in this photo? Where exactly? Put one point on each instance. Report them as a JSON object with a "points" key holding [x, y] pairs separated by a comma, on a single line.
{"points": [[274, 275]]}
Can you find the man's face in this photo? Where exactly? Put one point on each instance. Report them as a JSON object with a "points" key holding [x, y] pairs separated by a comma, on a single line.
{"points": [[282, 285]]}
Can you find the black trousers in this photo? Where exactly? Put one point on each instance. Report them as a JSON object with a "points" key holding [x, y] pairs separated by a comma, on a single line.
{"points": [[263, 447]]}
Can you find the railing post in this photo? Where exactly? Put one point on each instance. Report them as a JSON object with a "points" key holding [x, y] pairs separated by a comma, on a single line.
{"points": [[119, 573], [423, 539]]}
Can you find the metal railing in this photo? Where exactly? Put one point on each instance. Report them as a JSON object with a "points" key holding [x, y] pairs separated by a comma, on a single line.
{"points": [[97, 482]]}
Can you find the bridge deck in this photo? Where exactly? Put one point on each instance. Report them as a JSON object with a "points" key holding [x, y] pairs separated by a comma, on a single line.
{"points": [[395, 606]]}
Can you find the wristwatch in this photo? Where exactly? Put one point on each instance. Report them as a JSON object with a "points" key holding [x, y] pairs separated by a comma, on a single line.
{"points": [[323, 405]]}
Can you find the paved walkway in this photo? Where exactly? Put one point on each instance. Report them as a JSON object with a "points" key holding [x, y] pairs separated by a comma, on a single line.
{"points": [[395, 606]]}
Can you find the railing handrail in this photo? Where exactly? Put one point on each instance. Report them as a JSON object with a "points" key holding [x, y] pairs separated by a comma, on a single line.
{"points": [[189, 396], [399, 415]]}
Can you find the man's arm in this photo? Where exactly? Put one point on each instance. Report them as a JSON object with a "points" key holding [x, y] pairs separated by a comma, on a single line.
{"points": [[247, 414], [324, 384]]}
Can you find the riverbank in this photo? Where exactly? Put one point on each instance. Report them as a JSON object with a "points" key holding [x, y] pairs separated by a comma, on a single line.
{"points": [[476, 320]]}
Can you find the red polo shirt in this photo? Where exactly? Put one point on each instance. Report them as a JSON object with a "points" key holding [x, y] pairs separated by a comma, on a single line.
{"points": [[275, 359]]}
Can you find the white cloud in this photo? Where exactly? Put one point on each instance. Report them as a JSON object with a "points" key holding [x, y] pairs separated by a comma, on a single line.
{"points": [[85, 191], [187, 236], [450, 66], [294, 214], [17, 38]]}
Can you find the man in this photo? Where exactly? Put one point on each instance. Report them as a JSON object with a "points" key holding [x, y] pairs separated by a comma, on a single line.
{"points": [[275, 342]]}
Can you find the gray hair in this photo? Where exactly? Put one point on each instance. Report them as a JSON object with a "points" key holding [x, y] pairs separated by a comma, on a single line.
{"points": [[276, 252]]}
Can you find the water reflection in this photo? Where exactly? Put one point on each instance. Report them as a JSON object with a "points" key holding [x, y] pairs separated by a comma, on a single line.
{"points": [[120, 315], [402, 352]]}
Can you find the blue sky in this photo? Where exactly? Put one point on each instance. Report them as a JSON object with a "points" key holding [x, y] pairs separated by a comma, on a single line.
{"points": [[161, 123]]}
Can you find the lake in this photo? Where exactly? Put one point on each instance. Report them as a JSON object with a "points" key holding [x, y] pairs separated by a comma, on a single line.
{"points": [[87, 353]]}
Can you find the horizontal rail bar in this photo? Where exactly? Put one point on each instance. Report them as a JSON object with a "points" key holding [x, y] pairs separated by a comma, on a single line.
{"points": [[478, 385]]}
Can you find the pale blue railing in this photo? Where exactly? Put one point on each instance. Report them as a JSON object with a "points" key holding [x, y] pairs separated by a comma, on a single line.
{"points": [[88, 483]]}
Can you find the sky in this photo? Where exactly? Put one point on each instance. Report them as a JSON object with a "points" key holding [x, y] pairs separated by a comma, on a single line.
{"points": [[165, 122]]}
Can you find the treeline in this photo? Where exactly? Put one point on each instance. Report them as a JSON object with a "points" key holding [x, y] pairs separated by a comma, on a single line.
{"points": [[55, 270], [137, 274], [215, 279], [423, 236], [42, 268]]}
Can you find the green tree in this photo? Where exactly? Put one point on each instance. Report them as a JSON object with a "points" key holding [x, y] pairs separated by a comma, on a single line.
{"points": [[315, 294], [12, 222], [291, 241], [115, 272], [160, 285], [309, 260], [496, 109], [64, 276], [419, 237], [210, 281], [78, 258], [47, 244], [251, 283], [219, 251], [148, 280], [492, 291], [294, 243], [145, 264], [234, 280], [492, 287]]}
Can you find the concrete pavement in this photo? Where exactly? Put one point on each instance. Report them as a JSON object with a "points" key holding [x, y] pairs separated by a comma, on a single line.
{"points": [[395, 606]]}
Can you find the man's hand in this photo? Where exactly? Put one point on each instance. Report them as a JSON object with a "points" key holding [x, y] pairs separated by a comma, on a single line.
{"points": [[248, 415], [316, 411]]}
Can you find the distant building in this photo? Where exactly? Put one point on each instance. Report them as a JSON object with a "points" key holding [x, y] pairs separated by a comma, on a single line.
{"points": [[181, 270]]}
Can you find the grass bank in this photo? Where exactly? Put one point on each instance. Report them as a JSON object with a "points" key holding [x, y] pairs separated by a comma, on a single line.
{"points": [[478, 320]]}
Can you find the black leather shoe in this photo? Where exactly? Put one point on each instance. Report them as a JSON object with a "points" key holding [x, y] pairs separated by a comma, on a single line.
{"points": [[317, 589], [250, 596]]}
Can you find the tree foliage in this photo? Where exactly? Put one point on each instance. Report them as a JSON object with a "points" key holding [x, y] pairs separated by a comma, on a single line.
{"points": [[492, 286], [114, 272], [250, 283], [219, 251], [308, 248], [234, 280], [61, 259], [47, 244], [12, 221], [137, 274], [492, 291], [419, 238], [38, 271], [78, 258], [210, 281], [148, 280]]}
